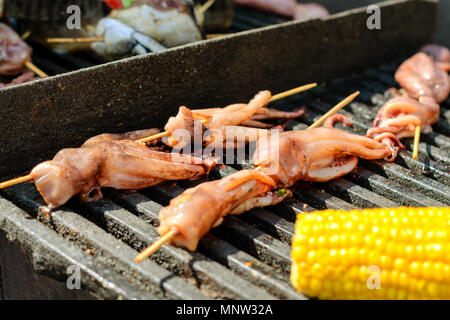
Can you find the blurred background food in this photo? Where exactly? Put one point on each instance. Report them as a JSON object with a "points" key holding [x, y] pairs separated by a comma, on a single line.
{"points": [[114, 29]]}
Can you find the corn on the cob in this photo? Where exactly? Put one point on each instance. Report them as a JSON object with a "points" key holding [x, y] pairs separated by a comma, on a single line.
{"points": [[400, 253]]}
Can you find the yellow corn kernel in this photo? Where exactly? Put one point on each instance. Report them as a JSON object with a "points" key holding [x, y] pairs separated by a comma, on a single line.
{"points": [[396, 253]]}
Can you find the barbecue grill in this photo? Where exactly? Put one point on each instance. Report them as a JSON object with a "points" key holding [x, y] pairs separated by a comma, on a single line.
{"points": [[248, 256]]}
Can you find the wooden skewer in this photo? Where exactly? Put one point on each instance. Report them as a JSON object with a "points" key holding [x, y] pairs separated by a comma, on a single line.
{"points": [[75, 40], [154, 137], [15, 181], [338, 107], [205, 6], [274, 98], [35, 69], [292, 92], [155, 246], [416, 142], [282, 95]]}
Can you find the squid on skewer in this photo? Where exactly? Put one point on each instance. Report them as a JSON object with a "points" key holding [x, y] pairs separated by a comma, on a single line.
{"points": [[114, 161], [219, 121], [320, 154], [425, 81], [111, 151], [420, 76], [198, 209]]}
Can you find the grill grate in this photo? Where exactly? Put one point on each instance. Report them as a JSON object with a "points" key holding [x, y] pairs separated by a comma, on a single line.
{"points": [[248, 256]]}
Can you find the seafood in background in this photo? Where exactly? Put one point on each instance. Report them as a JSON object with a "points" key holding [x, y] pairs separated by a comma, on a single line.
{"points": [[169, 22], [14, 52], [420, 76], [398, 119], [26, 77], [111, 161], [121, 40], [288, 8], [320, 154], [440, 54]]}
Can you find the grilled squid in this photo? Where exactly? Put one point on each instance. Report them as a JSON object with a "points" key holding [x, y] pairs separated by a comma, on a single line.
{"points": [[111, 161], [224, 125], [197, 210], [320, 154], [426, 84], [398, 119], [420, 76], [14, 52]]}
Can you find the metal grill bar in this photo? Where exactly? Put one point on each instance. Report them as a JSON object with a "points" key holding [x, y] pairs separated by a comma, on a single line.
{"points": [[48, 246], [240, 234], [107, 249]]}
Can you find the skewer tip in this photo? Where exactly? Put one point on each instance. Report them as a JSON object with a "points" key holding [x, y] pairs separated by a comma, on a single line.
{"points": [[416, 142], [335, 109], [35, 69], [75, 40], [293, 91], [155, 246]]}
